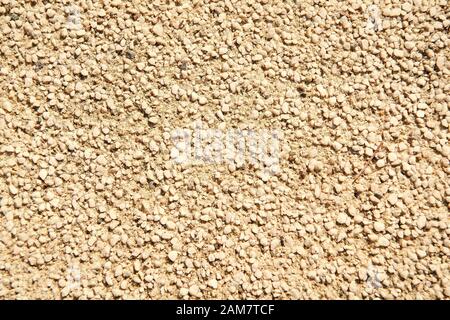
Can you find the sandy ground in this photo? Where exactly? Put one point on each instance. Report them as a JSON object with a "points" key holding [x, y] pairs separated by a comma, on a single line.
{"points": [[348, 199]]}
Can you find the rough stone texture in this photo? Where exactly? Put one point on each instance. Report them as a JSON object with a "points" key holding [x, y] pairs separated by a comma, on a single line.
{"points": [[92, 207]]}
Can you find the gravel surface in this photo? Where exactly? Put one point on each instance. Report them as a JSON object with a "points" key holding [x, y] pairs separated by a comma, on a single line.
{"points": [[118, 179]]}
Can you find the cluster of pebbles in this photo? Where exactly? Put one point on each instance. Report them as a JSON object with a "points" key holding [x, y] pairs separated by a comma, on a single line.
{"points": [[92, 206]]}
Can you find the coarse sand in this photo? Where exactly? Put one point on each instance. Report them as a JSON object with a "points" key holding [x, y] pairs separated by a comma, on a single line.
{"points": [[99, 200]]}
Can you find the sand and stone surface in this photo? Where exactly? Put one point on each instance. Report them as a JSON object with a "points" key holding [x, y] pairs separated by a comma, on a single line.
{"points": [[94, 205]]}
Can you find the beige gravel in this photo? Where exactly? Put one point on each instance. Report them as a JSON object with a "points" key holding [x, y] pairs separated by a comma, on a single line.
{"points": [[92, 205]]}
